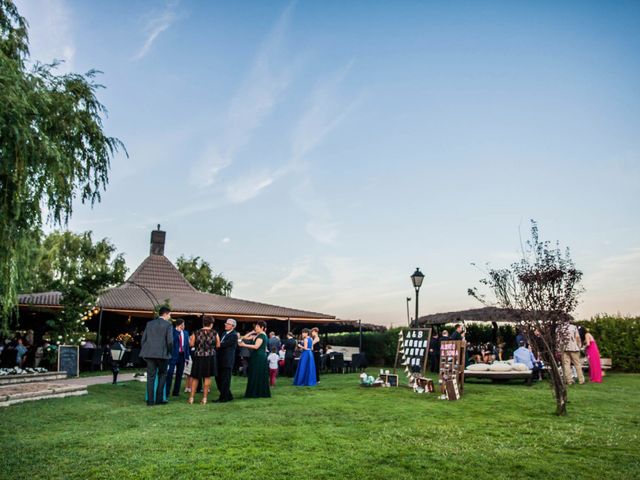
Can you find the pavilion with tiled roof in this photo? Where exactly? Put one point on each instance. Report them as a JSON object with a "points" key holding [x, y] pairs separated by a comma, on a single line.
{"points": [[157, 281]]}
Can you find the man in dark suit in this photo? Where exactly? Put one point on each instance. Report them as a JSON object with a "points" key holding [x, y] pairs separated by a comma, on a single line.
{"points": [[179, 356], [226, 360], [157, 345], [289, 350], [434, 353], [458, 333]]}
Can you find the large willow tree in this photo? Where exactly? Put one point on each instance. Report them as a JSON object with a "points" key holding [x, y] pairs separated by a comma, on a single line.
{"points": [[52, 149]]}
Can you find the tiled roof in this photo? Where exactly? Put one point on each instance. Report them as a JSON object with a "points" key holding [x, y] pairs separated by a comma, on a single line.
{"points": [[157, 280], [42, 298], [485, 314], [157, 272]]}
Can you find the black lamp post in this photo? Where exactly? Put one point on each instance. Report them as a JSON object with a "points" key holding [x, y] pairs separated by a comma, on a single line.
{"points": [[117, 353], [417, 279]]}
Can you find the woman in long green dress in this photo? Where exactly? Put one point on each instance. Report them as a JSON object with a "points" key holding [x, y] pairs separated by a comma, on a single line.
{"points": [[258, 378]]}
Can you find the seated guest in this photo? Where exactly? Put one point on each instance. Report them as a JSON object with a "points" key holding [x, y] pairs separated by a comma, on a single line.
{"points": [[488, 353], [525, 356]]}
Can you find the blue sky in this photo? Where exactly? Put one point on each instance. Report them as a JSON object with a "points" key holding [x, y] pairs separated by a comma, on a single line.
{"points": [[317, 152]]}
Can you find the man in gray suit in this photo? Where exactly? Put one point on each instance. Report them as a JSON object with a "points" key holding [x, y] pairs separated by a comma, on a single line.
{"points": [[157, 346]]}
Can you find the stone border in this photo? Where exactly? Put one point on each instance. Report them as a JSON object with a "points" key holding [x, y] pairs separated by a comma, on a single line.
{"points": [[32, 377], [53, 391]]}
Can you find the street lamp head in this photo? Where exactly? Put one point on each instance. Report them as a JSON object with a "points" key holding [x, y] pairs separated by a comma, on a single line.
{"points": [[417, 278], [117, 351]]}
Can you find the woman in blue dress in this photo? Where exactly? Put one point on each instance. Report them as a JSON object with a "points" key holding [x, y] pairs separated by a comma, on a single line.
{"points": [[306, 372]]}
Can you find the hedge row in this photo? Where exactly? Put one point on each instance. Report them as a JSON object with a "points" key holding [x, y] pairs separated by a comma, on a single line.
{"points": [[618, 338]]}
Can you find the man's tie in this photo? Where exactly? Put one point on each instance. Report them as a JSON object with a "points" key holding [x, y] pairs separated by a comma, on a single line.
{"points": [[181, 342]]}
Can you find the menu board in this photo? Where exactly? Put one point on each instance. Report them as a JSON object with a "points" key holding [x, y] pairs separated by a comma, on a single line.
{"points": [[452, 359], [413, 352], [68, 360]]}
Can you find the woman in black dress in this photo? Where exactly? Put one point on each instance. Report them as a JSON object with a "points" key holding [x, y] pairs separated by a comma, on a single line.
{"points": [[317, 350], [205, 341]]}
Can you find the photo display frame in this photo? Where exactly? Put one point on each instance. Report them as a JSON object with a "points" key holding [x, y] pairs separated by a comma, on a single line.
{"points": [[451, 373]]}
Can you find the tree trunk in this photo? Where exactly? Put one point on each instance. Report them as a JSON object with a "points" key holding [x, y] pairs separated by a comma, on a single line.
{"points": [[557, 382]]}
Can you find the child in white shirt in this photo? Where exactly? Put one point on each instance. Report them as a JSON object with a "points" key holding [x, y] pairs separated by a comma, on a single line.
{"points": [[273, 360]]}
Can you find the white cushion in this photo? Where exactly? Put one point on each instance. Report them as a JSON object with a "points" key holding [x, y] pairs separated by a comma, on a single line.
{"points": [[478, 367], [520, 367], [499, 367]]}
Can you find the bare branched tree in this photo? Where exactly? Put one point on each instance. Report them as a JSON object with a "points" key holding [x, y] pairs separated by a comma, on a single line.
{"points": [[542, 290]]}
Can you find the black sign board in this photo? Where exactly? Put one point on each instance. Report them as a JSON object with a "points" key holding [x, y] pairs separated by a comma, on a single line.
{"points": [[389, 378], [413, 352], [68, 360]]}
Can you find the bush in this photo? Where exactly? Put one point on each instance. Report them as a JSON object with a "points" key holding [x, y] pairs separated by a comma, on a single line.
{"points": [[618, 338], [379, 347]]}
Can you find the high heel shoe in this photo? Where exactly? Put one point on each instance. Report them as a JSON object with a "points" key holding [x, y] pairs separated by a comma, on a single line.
{"points": [[203, 401], [190, 401]]}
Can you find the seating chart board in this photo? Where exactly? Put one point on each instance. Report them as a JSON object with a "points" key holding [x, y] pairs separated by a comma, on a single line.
{"points": [[413, 352]]}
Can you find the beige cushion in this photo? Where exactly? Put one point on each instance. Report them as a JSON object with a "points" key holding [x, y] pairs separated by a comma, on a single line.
{"points": [[499, 367], [478, 367], [520, 367]]}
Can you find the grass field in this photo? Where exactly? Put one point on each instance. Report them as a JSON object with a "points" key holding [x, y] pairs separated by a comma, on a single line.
{"points": [[334, 431]]}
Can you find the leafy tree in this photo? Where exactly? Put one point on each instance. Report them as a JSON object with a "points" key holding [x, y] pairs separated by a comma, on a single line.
{"points": [[542, 289], [80, 269], [52, 149], [200, 275]]}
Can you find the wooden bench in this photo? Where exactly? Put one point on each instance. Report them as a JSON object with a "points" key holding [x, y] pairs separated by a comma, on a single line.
{"points": [[605, 363], [498, 377]]}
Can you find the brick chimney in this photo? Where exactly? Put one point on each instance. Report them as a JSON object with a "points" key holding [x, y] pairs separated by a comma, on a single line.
{"points": [[157, 241]]}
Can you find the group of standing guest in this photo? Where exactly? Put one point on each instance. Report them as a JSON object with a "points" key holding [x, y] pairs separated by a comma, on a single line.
{"points": [[203, 354]]}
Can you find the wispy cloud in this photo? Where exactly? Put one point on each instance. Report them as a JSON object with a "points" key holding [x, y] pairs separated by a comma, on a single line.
{"points": [[260, 91], [320, 225], [342, 286], [326, 109], [248, 186], [157, 23], [50, 31]]}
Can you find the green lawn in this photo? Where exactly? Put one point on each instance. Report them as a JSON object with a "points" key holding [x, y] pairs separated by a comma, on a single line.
{"points": [[334, 431]]}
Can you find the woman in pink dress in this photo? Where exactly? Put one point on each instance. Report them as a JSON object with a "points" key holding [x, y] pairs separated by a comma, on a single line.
{"points": [[593, 354]]}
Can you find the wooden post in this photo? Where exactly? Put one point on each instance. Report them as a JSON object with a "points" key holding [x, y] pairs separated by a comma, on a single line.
{"points": [[99, 337]]}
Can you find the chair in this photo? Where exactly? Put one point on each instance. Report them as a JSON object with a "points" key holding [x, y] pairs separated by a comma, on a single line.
{"points": [[86, 358], [96, 359], [323, 362], [359, 362], [337, 363]]}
